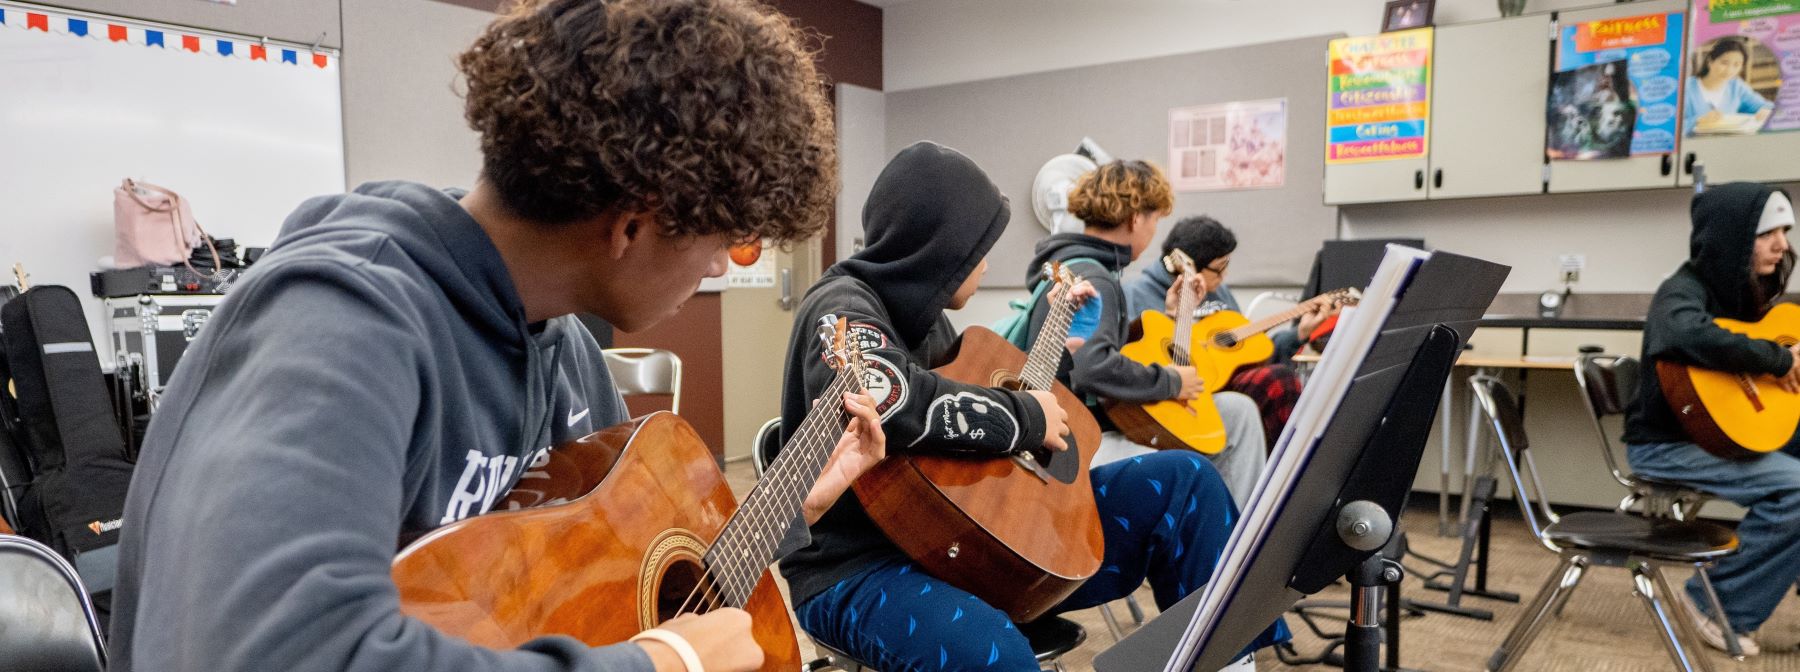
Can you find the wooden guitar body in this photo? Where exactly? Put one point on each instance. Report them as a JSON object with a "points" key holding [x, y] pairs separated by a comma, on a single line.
{"points": [[1193, 424], [1020, 538], [1218, 361], [1737, 416], [644, 499]]}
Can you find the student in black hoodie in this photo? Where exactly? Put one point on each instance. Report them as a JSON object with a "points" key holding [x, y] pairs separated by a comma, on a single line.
{"points": [[1738, 267], [1121, 203], [930, 220]]}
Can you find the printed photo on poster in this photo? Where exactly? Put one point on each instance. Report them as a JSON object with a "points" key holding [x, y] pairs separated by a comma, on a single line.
{"points": [[1615, 90], [1240, 145], [1591, 114], [1744, 68], [752, 265]]}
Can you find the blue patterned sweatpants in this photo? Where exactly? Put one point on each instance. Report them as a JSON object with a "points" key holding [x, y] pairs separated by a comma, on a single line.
{"points": [[1166, 518]]}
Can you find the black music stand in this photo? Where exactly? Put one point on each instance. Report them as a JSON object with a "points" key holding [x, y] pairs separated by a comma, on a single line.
{"points": [[1346, 492]]}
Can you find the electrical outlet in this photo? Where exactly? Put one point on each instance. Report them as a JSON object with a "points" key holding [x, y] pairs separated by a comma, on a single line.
{"points": [[1571, 265]]}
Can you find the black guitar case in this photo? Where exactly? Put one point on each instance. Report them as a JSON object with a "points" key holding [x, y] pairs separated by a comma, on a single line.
{"points": [[69, 432]]}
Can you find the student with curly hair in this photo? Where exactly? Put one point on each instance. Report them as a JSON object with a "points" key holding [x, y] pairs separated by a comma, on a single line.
{"points": [[404, 354], [1121, 204]]}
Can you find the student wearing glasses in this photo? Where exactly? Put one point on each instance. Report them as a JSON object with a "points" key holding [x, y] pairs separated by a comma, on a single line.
{"points": [[1273, 386]]}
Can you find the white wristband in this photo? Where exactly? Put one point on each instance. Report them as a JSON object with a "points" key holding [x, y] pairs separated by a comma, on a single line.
{"points": [[684, 650]]}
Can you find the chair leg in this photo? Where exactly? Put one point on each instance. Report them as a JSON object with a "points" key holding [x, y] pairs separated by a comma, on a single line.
{"points": [[1677, 638], [1562, 600], [1137, 611], [1718, 609], [1567, 575], [1112, 622]]}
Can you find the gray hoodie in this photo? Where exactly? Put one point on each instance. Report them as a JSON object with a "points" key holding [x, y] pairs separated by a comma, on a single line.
{"points": [[371, 379]]}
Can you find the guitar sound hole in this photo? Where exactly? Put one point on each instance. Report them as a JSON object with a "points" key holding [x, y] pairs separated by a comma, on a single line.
{"points": [[1225, 341], [675, 593]]}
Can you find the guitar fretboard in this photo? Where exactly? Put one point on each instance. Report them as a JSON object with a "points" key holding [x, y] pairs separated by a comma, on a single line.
{"points": [[1039, 372], [746, 546]]}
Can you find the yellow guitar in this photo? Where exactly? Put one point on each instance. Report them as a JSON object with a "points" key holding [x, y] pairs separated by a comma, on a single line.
{"points": [[1737, 415], [1215, 346]]}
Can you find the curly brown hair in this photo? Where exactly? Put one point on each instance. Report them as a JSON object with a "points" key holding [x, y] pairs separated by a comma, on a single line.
{"points": [[708, 113], [1109, 196]]}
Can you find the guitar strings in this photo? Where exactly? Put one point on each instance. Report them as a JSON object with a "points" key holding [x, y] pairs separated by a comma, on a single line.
{"points": [[727, 568], [1040, 368]]}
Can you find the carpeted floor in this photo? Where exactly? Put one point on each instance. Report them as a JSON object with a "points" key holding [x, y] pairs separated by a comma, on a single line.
{"points": [[1605, 628]]}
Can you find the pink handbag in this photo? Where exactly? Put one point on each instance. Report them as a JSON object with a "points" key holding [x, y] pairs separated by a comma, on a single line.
{"points": [[153, 225]]}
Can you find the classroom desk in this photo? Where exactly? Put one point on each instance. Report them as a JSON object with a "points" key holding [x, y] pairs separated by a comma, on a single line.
{"points": [[1480, 365]]}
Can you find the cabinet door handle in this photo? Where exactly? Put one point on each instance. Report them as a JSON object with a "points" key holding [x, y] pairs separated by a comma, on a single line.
{"points": [[1437, 179], [1418, 179], [1668, 165], [1687, 165]]}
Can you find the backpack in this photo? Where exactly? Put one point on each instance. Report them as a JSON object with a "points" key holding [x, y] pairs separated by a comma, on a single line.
{"points": [[1015, 327]]}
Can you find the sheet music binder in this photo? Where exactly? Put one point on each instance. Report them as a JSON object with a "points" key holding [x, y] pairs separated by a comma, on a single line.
{"points": [[1368, 449]]}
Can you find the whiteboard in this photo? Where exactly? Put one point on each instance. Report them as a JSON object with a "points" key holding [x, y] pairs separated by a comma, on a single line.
{"points": [[245, 141]]}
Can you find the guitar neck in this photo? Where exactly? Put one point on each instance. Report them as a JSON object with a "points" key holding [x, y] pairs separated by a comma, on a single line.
{"points": [[1039, 372], [1188, 302], [746, 546], [1270, 322]]}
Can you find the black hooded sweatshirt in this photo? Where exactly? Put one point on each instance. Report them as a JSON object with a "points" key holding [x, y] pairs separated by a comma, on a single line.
{"points": [[1098, 370], [930, 219], [1714, 282]]}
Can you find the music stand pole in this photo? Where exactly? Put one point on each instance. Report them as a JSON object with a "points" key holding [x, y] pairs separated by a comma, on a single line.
{"points": [[1366, 526]]}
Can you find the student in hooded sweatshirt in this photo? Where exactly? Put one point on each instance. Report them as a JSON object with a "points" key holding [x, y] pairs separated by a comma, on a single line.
{"points": [[1273, 385], [1121, 203], [1738, 266], [929, 222], [404, 354]]}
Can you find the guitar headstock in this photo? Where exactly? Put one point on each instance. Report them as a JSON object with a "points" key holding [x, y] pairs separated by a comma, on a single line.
{"points": [[842, 353], [1059, 274], [1339, 298], [1178, 262]]}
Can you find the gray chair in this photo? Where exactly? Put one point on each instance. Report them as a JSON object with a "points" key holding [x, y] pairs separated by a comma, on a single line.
{"points": [[1609, 385], [46, 621], [646, 371], [1050, 637], [1641, 544]]}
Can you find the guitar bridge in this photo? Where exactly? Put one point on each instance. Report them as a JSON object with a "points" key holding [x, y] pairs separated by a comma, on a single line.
{"points": [[1749, 388]]}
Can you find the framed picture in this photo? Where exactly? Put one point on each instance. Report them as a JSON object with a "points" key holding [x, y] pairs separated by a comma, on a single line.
{"points": [[1406, 15]]}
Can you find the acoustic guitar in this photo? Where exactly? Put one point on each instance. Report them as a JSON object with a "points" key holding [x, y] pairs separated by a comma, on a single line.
{"points": [[1020, 532], [1216, 346], [1737, 416], [627, 528], [1226, 341]]}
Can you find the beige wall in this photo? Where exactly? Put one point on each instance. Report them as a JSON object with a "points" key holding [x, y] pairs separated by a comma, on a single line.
{"points": [[402, 116]]}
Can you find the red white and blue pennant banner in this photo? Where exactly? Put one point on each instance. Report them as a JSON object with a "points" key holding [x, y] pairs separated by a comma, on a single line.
{"points": [[118, 30]]}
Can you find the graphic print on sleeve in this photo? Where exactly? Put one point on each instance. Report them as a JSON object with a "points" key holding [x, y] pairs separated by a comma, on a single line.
{"points": [[954, 416]]}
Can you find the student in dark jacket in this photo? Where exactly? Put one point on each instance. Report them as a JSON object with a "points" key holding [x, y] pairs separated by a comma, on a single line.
{"points": [[929, 223], [1738, 266], [1120, 203], [404, 354]]}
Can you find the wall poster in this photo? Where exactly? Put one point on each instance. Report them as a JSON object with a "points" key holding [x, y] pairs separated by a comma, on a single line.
{"points": [[1241, 145], [1743, 68], [1615, 92], [1380, 106]]}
